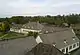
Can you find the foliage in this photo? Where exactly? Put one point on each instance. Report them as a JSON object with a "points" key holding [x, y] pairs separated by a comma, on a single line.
{"points": [[30, 33], [4, 26], [35, 34], [58, 20]]}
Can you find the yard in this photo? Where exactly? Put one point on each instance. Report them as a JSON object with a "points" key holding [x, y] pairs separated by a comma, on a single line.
{"points": [[1, 34], [11, 35]]}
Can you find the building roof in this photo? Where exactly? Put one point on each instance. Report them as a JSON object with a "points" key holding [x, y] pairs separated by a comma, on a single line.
{"points": [[59, 37], [17, 46], [16, 26], [33, 25], [44, 49], [53, 28], [48, 28]]}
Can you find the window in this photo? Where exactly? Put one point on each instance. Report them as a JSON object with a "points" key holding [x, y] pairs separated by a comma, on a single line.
{"points": [[74, 45], [66, 49], [73, 38], [63, 50], [70, 47], [77, 44], [25, 30], [65, 41]]}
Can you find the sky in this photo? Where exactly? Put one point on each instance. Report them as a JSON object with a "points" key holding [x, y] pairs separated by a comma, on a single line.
{"points": [[38, 7]]}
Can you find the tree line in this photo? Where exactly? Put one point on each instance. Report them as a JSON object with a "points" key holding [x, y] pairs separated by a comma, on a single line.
{"points": [[57, 20]]}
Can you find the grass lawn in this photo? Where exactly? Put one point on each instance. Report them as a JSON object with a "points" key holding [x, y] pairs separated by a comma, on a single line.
{"points": [[12, 35], [1, 34]]}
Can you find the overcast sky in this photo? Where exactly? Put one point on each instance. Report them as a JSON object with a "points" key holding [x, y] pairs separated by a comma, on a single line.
{"points": [[38, 7]]}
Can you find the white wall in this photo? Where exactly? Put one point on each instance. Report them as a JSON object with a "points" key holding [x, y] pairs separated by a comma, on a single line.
{"points": [[73, 31], [69, 50], [27, 30], [23, 30], [15, 30], [11, 29], [75, 47], [38, 39]]}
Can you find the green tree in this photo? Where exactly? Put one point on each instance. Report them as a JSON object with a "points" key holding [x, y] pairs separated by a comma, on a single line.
{"points": [[30, 33], [5, 26], [35, 34]]}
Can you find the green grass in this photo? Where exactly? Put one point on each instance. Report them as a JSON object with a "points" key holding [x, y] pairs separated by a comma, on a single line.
{"points": [[13, 35], [1, 34]]}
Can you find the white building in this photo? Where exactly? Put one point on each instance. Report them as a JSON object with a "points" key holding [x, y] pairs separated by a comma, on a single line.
{"points": [[16, 28], [31, 26], [65, 40], [62, 38]]}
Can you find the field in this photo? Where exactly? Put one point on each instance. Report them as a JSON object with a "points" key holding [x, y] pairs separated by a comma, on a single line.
{"points": [[11, 35]]}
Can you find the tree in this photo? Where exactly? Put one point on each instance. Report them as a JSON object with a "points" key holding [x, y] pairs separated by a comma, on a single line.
{"points": [[5, 26], [35, 34], [72, 19], [30, 33]]}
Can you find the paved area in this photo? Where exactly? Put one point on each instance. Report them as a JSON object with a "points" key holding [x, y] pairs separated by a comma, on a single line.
{"points": [[77, 52], [17, 46]]}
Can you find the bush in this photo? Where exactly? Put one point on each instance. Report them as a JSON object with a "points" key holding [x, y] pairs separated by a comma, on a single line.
{"points": [[35, 34]]}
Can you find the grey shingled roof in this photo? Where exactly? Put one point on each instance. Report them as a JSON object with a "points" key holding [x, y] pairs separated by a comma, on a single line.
{"points": [[33, 25], [52, 28], [48, 28], [16, 26], [17, 46], [44, 49], [59, 37]]}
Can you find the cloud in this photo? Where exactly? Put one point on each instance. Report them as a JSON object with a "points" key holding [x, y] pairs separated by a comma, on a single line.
{"points": [[38, 7], [63, 4]]}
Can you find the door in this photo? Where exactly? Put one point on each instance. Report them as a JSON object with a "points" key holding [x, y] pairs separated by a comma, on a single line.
{"points": [[67, 50]]}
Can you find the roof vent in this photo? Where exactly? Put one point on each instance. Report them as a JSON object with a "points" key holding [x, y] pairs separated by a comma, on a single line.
{"points": [[73, 38], [46, 31], [28, 27], [54, 44], [65, 41]]}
